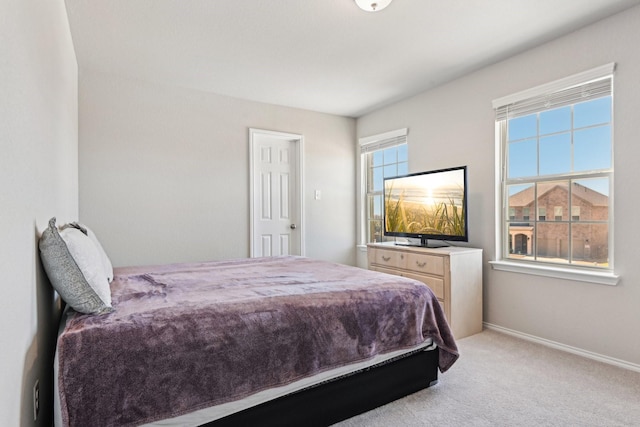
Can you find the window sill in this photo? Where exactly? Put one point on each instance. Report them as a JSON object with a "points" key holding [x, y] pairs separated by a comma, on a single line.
{"points": [[599, 277]]}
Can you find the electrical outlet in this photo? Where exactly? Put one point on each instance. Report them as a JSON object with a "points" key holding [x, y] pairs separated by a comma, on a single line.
{"points": [[36, 399]]}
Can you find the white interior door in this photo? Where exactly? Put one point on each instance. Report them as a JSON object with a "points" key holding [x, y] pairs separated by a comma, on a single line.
{"points": [[276, 183]]}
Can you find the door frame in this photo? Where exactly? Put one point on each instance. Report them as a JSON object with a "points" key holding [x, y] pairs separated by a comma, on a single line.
{"points": [[298, 141]]}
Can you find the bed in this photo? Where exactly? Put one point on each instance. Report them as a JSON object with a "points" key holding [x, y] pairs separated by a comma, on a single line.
{"points": [[263, 341]]}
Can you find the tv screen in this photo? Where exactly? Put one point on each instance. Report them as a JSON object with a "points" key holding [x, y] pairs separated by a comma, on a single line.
{"points": [[427, 205]]}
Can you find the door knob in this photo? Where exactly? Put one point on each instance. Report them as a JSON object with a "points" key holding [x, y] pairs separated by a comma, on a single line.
{"points": [[293, 226]]}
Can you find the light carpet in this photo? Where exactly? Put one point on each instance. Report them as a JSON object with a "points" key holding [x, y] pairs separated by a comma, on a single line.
{"points": [[501, 380]]}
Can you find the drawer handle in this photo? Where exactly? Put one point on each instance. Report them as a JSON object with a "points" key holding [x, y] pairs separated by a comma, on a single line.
{"points": [[421, 264], [386, 258]]}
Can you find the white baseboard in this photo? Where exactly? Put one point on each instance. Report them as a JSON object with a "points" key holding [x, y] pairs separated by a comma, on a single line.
{"points": [[559, 346]]}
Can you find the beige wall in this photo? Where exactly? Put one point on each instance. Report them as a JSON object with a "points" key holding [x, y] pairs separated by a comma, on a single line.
{"points": [[38, 180], [164, 172], [454, 125]]}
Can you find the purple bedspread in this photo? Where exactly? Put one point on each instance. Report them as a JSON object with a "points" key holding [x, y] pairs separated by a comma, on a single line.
{"points": [[189, 336]]}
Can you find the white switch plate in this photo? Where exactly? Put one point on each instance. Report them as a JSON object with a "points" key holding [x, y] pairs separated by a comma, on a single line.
{"points": [[317, 195]]}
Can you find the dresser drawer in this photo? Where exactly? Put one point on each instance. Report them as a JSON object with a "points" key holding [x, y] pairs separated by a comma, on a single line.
{"points": [[454, 274], [425, 264], [388, 258], [436, 285]]}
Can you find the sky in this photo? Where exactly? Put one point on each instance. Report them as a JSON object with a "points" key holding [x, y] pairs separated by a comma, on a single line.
{"points": [[571, 139]]}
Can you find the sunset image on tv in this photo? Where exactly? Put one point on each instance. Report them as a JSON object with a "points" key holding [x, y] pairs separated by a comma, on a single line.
{"points": [[431, 204]]}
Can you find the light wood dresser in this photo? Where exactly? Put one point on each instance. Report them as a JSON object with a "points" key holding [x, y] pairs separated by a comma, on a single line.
{"points": [[453, 273]]}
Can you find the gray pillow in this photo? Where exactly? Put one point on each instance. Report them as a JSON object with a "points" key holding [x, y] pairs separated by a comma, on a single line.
{"points": [[66, 276]]}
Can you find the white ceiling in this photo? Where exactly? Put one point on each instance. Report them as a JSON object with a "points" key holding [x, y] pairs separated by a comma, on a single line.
{"points": [[321, 55]]}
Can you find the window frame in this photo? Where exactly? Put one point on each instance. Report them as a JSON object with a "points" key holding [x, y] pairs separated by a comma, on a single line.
{"points": [[601, 275], [366, 146]]}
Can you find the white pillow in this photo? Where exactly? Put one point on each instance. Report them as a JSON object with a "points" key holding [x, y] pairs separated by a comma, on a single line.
{"points": [[106, 262], [87, 255]]}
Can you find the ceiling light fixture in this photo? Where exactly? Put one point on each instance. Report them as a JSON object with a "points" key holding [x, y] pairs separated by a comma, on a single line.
{"points": [[372, 5]]}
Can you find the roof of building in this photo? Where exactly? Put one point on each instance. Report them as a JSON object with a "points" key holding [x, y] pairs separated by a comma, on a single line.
{"points": [[526, 196]]}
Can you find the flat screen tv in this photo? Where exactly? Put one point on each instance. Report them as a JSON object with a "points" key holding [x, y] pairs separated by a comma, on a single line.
{"points": [[428, 205]]}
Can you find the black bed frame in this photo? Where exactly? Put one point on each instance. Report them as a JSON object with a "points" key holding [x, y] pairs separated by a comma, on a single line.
{"points": [[334, 401]]}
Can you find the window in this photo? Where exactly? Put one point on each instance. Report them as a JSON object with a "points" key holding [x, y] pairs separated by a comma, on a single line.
{"points": [[542, 214], [556, 145], [382, 156], [557, 213], [575, 213]]}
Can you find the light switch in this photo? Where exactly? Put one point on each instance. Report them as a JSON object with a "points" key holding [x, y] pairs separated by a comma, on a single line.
{"points": [[317, 195]]}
